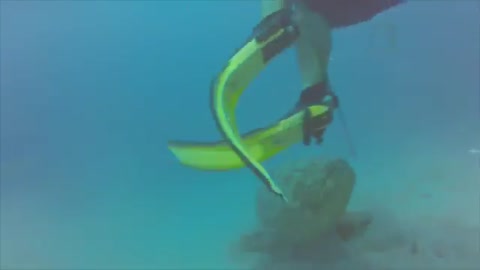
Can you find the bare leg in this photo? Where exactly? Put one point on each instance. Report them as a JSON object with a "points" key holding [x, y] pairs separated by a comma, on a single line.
{"points": [[314, 44]]}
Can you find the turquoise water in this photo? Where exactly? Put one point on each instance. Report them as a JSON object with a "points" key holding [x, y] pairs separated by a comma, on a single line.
{"points": [[91, 91]]}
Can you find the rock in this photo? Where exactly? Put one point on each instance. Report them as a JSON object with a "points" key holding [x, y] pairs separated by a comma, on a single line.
{"points": [[353, 224], [319, 192]]}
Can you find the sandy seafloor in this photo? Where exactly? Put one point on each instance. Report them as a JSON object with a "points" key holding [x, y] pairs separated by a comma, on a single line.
{"points": [[426, 216], [426, 207]]}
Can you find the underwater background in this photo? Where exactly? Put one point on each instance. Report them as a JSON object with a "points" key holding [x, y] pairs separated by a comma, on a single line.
{"points": [[91, 91]]}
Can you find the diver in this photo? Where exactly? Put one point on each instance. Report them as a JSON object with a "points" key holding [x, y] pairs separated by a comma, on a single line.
{"points": [[315, 20], [307, 25]]}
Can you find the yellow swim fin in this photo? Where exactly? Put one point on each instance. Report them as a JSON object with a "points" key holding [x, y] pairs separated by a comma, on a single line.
{"points": [[261, 144], [274, 34]]}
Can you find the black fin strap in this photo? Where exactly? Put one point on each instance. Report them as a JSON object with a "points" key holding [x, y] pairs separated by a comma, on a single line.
{"points": [[307, 128], [272, 23]]}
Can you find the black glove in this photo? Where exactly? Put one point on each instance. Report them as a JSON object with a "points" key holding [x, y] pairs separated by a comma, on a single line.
{"points": [[319, 93], [315, 126]]}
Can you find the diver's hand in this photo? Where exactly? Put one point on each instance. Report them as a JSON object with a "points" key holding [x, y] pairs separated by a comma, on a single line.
{"points": [[320, 93], [314, 127]]}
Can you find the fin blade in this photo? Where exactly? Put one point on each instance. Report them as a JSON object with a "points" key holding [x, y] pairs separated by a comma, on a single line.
{"points": [[219, 156]]}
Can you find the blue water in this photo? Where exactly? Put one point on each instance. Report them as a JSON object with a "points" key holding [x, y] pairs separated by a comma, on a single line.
{"points": [[91, 91]]}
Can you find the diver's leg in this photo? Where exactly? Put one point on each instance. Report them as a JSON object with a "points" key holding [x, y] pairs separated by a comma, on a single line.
{"points": [[313, 46], [313, 52]]}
